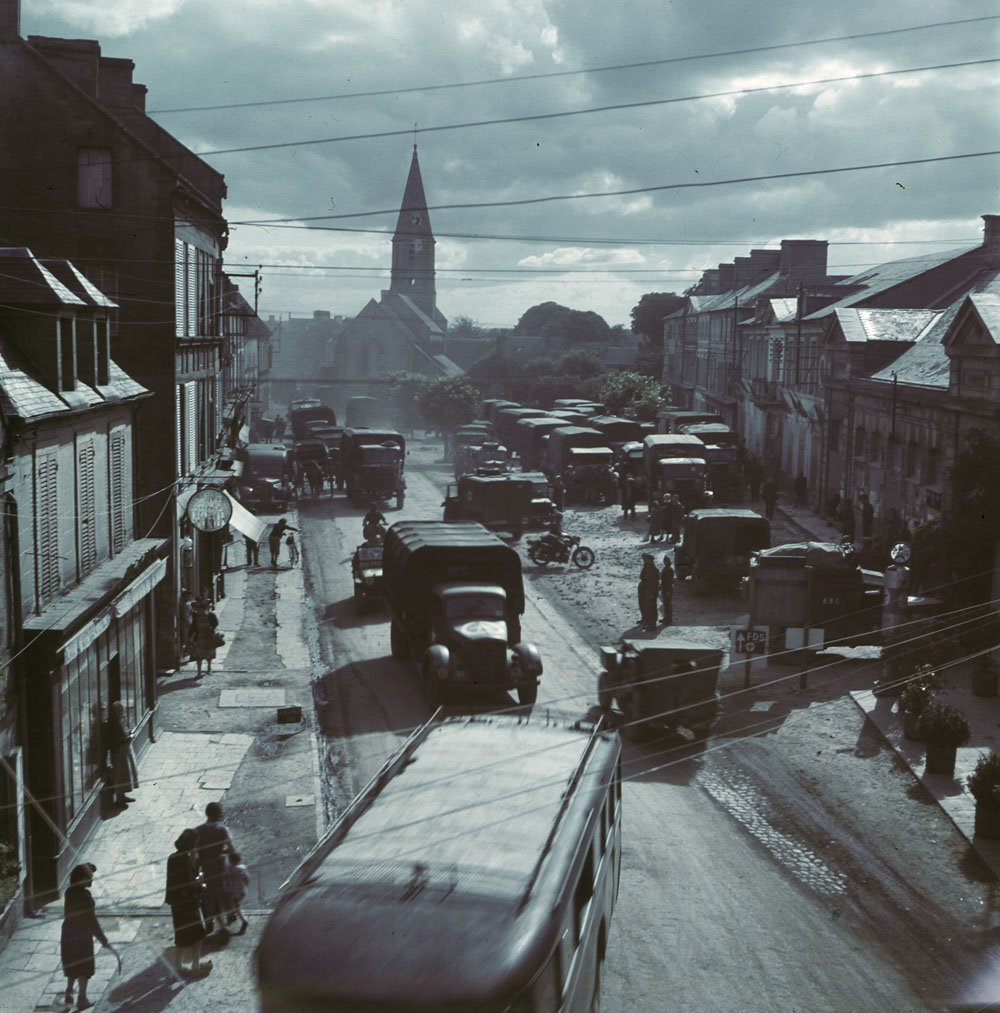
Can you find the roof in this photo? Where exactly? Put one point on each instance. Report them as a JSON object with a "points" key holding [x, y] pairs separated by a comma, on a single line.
{"points": [[987, 305], [413, 219], [885, 325], [26, 280], [784, 309]]}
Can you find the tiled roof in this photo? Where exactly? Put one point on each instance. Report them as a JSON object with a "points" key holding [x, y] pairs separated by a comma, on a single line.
{"points": [[24, 280], [988, 307], [20, 394], [885, 325], [80, 286], [784, 309]]}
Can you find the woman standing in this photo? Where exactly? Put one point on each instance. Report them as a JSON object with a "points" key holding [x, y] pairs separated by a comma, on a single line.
{"points": [[203, 635], [124, 775], [184, 893], [79, 929]]}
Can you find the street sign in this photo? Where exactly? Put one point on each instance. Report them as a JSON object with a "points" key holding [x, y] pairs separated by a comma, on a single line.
{"points": [[752, 641]]}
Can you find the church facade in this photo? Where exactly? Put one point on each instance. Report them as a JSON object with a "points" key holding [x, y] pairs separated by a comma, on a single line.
{"points": [[402, 331]]}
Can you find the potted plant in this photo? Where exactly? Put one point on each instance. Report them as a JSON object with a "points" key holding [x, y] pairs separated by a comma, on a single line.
{"points": [[984, 786], [944, 729], [985, 676], [913, 701]]}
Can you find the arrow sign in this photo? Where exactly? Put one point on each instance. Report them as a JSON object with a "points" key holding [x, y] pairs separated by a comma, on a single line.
{"points": [[752, 641]]}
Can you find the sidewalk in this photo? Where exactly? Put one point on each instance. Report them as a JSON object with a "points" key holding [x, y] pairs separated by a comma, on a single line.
{"points": [[218, 739], [982, 713]]}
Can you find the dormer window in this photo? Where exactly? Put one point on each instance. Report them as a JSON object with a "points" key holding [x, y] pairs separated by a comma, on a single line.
{"points": [[67, 354]]}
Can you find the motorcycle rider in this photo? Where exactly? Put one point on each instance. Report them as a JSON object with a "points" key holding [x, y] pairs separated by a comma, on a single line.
{"points": [[372, 521], [553, 539]]}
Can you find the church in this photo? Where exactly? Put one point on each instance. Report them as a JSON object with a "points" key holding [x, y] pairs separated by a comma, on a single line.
{"points": [[404, 330]]}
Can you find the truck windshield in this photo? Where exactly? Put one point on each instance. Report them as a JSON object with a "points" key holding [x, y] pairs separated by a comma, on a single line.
{"points": [[474, 606]]}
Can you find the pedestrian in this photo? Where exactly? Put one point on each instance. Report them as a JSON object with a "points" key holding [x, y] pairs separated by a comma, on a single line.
{"points": [[279, 428], [314, 475], [667, 591], [628, 498], [253, 551], [847, 523], [867, 516], [124, 772], [675, 516], [80, 928], [214, 845], [237, 881], [801, 489], [559, 493], [754, 473], [833, 507], [185, 615], [649, 585], [184, 895], [204, 638], [770, 493], [655, 519], [293, 550], [274, 539]]}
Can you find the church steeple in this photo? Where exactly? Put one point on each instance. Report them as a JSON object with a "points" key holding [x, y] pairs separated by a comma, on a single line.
{"points": [[413, 245]]}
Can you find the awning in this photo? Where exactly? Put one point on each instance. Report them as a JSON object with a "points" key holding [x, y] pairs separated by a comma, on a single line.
{"points": [[246, 523]]}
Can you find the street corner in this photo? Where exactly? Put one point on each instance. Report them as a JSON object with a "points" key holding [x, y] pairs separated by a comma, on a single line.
{"points": [[152, 980]]}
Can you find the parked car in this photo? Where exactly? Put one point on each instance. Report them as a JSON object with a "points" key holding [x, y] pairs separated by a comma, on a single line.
{"points": [[268, 476]]}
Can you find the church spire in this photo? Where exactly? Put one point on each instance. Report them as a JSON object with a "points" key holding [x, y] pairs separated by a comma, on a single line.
{"points": [[413, 245]]}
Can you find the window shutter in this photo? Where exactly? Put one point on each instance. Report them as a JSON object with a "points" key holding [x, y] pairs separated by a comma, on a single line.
{"points": [[192, 292], [47, 527], [178, 430], [218, 406], [180, 287], [191, 424], [87, 521], [116, 460]]}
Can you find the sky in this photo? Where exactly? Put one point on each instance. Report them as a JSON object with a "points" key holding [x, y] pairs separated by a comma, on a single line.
{"points": [[684, 104]]}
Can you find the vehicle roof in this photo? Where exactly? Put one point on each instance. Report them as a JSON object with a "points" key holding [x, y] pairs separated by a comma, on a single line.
{"points": [[262, 452], [707, 427], [574, 431], [456, 589], [671, 440], [444, 534], [503, 478], [590, 451], [540, 421], [664, 461], [724, 512]]}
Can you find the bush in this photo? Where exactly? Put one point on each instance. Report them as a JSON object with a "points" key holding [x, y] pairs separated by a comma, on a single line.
{"points": [[944, 725], [984, 781], [915, 697]]}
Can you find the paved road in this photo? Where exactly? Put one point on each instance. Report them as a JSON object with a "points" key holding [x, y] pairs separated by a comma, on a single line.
{"points": [[790, 866]]}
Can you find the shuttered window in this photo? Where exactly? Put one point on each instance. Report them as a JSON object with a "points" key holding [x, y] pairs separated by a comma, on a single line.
{"points": [[218, 406], [179, 429], [180, 286], [116, 480], [86, 519], [191, 425], [192, 292], [46, 528], [93, 177]]}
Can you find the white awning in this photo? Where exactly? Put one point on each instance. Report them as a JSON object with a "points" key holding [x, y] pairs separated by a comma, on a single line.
{"points": [[245, 522]]}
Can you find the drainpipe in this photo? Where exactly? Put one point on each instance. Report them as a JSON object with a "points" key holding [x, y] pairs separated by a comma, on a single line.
{"points": [[892, 431]]}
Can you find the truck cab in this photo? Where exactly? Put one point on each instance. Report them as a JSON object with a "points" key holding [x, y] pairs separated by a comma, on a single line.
{"points": [[685, 476]]}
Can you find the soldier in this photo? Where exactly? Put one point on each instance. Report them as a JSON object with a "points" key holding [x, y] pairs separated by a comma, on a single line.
{"points": [[628, 497], [649, 584], [667, 591], [675, 517], [655, 516]]}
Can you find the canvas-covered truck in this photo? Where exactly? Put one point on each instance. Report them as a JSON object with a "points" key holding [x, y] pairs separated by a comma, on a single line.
{"points": [[301, 413], [371, 464], [668, 682], [685, 476], [529, 439], [563, 439], [498, 502], [716, 545], [456, 595]]}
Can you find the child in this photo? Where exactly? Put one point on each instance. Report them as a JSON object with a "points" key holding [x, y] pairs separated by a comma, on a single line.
{"points": [[237, 881], [293, 550]]}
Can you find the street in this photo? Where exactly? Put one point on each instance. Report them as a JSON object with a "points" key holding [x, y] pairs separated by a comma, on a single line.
{"points": [[792, 862]]}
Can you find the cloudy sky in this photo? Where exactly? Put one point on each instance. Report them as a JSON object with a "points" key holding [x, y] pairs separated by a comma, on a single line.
{"points": [[601, 204]]}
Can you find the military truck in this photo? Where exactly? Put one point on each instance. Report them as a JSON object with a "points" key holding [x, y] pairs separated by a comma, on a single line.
{"points": [[366, 412], [456, 596], [371, 464], [505, 422], [716, 545], [563, 439], [618, 431], [305, 411], [500, 502], [668, 682], [529, 439], [687, 477], [671, 420]]}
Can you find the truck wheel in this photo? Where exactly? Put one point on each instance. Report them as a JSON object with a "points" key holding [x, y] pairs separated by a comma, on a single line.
{"points": [[583, 557], [527, 694], [605, 693], [397, 642]]}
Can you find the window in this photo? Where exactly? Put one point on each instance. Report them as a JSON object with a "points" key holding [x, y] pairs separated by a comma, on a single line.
{"points": [[93, 177], [859, 441], [86, 521], [874, 446], [86, 348], [835, 430], [116, 481], [180, 287], [910, 460], [932, 463], [102, 341], [46, 529], [67, 354]]}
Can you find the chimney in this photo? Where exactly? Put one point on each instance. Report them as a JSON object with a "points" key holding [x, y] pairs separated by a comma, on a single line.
{"points": [[10, 20], [803, 259], [742, 274], [709, 284], [114, 81], [765, 262], [321, 314], [77, 59], [727, 276], [991, 238]]}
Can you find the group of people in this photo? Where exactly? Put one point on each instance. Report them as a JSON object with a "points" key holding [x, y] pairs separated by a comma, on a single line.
{"points": [[280, 533], [200, 626], [656, 587], [666, 513], [206, 885]]}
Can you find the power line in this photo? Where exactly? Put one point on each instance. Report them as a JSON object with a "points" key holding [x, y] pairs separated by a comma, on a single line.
{"points": [[617, 107], [571, 73]]}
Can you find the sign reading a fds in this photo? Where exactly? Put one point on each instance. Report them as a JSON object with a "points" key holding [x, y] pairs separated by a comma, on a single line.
{"points": [[749, 641]]}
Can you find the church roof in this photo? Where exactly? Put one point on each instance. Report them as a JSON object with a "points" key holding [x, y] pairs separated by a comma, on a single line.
{"points": [[413, 219]]}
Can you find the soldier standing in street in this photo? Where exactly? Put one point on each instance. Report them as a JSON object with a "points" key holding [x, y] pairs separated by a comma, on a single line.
{"points": [[667, 591], [649, 585], [770, 492]]}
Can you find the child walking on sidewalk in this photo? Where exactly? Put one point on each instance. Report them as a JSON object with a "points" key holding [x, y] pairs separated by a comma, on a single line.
{"points": [[237, 881]]}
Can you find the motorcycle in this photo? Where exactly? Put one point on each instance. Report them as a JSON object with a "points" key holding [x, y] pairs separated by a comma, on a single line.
{"points": [[374, 533], [553, 548]]}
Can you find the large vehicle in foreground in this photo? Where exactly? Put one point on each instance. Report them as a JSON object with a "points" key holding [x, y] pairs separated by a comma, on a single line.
{"points": [[668, 683], [456, 594], [478, 870], [500, 502], [301, 413], [371, 465], [716, 545]]}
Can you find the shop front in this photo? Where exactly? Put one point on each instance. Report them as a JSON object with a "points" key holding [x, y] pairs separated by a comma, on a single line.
{"points": [[92, 647]]}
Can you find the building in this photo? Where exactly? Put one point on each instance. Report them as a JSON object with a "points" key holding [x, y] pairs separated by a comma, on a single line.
{"points": [[79, 580], [141, 216], [404, 330]]}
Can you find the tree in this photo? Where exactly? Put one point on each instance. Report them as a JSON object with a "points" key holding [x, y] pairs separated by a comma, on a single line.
{"points": [[648, 314], [448, 404], [550, 320], [403, 395], [466, 327], [582, 363], [631, 395]]}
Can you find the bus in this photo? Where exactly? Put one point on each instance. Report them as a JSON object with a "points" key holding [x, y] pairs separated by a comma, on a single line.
{"points": [[477, 871]]}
